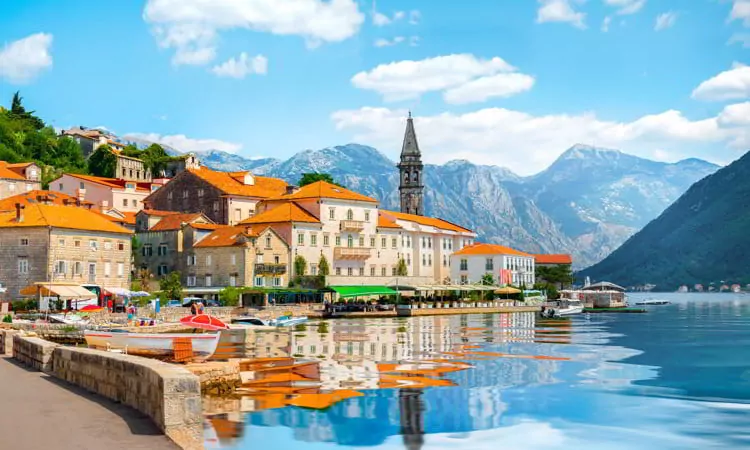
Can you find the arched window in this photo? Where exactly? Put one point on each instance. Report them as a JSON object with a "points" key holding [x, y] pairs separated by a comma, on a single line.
{"points": [[415, 176], [349, 215], [350, 241]]}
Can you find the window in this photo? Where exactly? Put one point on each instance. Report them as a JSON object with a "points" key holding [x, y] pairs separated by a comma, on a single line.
{"points": [[259, 281], [349, 215], [408, 260], [277, 281], [331, 213], [200, 194], [93, 245], [394, 243], [300, 238], [268, 241], [424, 259], [408, 241], [233, 280], [326, 242], [445, 261], [125, 203], [367, 216], [120, 270], [349, 271], [382, 271], [429, 242], [429, 260], [383, 242], [216, 205], [338, 270], [77, 268], [234, 259], [61, 268], [162, 270], [361, 241], [372, 242], [162, 250], [464, 279], [191, 280], [489, 264], [424, 244], [107, 269], [338, 241], [121, 246], [208, 260], [393, 271], [313, 269], [275, 259], [372, 271], [23, 266], [314, 239], [147, 250], [24, 242], [237, 214], [464, 264], [361, 271], [349, 241], [208, 280], [169, 195], [107, 245], [191, 260], [184, 194]]}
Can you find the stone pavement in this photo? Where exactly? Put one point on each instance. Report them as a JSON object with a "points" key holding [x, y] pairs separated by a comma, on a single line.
{"points": [[38, 411]]}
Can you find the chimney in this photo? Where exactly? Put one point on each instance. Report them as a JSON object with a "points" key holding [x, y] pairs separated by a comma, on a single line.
{"points": [[104, 205], [80, 194], [291, 189], [19, 212], [248, 230]]}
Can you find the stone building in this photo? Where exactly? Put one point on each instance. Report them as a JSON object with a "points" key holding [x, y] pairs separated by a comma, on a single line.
{"points": [[411, 184], [180, 164], [88, 139], [240, 256], [224, 197], [48, 242], [131, 169], [18, 178], [506, 265]]}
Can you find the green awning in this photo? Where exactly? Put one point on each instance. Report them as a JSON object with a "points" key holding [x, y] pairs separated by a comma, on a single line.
{"points": [[362, 291]]}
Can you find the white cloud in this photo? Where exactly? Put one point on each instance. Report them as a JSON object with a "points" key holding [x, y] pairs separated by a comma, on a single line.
{"points": [[381, 20], [626, 7], [242, 66], [740, 11], [415, 17], [23, 60], [605, 23], [731, 84], [665, 20], [398, 15], [737, 114], [560, 11], [387, 43], [186, 144], [408, 79], [481, 89], [499, 136], [191, 27]]}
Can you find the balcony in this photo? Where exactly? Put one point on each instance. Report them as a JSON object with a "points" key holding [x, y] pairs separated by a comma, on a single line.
{"points": [[352, 225], [352, 252], [270, 269]]}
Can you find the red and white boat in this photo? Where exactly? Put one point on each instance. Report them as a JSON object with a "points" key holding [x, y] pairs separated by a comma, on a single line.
{"points": [[154, 345]]}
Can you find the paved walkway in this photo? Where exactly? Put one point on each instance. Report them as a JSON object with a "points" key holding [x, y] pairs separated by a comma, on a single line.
{"points": [[38, 412]]}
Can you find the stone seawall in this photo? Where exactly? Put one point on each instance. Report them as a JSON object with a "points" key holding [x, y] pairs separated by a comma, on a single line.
{"points": [[6, 341], [169, 394]]}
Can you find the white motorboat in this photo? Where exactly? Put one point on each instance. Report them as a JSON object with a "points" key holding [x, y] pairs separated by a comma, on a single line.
{"points": [[283, 321], [156, 345], [566, 308], [287, 321], [250, 320]]}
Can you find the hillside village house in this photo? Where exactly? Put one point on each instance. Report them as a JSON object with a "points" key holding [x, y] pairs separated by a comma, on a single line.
{"points": [[105, 193], [362, 244], [18, 178], [224, 197], [48, 242], [506, 265], [91, 139]]}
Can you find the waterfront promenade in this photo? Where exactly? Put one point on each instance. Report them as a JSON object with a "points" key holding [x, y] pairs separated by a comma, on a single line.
{"points": [[42, 412]]}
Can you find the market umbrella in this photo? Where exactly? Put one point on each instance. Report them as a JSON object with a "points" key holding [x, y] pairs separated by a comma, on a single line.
{"points": [[205, 322], [507, 290], [91, 308]]}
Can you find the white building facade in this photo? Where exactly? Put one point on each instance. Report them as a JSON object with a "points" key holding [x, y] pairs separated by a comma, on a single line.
{"points": [[506, 265]]}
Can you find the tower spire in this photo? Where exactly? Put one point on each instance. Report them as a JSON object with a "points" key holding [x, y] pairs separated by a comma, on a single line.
{"points": [[411, 187]]}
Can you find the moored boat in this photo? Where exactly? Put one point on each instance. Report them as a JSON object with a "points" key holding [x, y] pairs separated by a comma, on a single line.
{"points": [[288, 321], [566, 308], [155, 345]]}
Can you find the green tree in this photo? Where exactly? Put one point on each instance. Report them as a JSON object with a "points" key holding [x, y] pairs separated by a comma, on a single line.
{"points": [[171, 287], [103, 162], [230, 296], [401, 269], [559, 275], [323, 268], [488, 279], [300, 266], [313, 177], [18, 112]]}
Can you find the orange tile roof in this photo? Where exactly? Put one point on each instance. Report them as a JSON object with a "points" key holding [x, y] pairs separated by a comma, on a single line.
{"points": [[128, 217], [554, 259], [429, 221], [285, 212], [158, 213], [384, 222], [174, 222], [489, 249], [206, 226], [115, 183], [231, 183], [37, 215], [32, 197], [227, 236], [322, 189], [7, 173]]}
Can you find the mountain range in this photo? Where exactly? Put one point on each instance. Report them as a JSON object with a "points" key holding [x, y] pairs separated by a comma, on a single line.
{"points": [[700, 238], [587, 203]]}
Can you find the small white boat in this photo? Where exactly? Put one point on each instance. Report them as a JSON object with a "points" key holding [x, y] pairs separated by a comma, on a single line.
{"points": [[250, 320], [70, 319], [653, 302], [287, 321], [283, 321], [155, 345], [566, 308]]}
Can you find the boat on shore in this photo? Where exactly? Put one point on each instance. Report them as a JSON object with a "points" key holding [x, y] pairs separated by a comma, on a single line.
{"points": [[154, 345]]}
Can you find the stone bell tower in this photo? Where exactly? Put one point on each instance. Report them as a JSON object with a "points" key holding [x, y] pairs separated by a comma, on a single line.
{"points": [[411, 187]]}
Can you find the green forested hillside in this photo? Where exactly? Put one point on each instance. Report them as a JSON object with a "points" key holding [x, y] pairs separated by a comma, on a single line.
{"points": [[703, 237]]}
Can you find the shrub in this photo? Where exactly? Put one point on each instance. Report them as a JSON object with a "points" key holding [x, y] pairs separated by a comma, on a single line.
{"points": [[8, 319]]}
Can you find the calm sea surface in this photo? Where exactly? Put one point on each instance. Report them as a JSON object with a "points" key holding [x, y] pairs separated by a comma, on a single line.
{"points": [[677, 377]]}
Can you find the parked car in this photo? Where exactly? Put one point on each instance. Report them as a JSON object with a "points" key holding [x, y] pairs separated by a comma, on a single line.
{"points": [[173, 303], [188, 302]]}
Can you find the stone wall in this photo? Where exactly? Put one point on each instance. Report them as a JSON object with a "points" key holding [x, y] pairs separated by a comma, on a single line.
{"points": [[34, 352], [6, 341]]}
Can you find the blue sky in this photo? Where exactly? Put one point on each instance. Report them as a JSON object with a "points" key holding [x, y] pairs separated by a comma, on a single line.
{"points": [[512, 83]]}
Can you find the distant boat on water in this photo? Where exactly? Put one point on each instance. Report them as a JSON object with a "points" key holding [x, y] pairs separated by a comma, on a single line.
{"points": [[653, 302]]}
